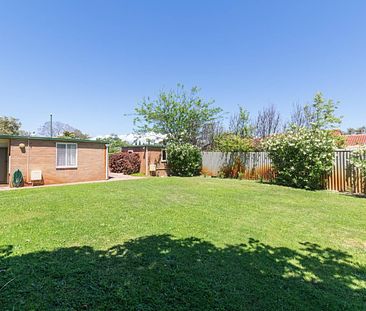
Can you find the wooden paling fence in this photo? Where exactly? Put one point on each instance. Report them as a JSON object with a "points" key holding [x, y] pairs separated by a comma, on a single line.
{"points": [[257, 165]]}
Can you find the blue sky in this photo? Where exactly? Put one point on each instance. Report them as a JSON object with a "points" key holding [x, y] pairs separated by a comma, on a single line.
{"points": [[90, 62]]}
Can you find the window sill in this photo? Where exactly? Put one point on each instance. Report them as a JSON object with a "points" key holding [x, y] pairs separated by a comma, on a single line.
{"points": [[66, 167]]}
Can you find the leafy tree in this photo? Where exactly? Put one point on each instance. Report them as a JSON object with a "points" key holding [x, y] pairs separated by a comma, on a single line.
{"points": [[229, 142], [240, 124], [303, 155], [76, 134], [60, 129], [9, 126], [115, 143], [179, 114], [321, 115]]}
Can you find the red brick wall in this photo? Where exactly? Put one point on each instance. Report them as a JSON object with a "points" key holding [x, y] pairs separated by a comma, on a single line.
{"points": [[154, 157], [42, 156]]}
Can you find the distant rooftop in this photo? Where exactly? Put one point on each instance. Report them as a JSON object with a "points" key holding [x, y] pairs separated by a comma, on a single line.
{"points": [[355, 140]]}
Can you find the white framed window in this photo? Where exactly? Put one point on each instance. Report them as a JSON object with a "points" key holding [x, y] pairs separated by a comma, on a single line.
{"points": [[66, 155], [164, 155]]}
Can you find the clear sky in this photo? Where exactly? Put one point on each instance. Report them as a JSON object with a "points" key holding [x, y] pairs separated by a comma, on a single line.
{"points": [[90, 62]]}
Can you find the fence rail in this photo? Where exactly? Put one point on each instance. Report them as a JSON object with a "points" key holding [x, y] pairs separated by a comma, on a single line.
{"points": [[257, 165]]}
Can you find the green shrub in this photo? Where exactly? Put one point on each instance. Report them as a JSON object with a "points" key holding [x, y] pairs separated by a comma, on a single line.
{"points": [[229, 142], [358, 159], [184, 159], [302, 156]]}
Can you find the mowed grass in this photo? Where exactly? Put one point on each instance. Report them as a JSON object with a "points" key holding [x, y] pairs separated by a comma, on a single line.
{"points": [[181, 244]]}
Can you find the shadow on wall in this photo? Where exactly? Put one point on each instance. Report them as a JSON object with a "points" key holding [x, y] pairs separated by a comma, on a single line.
{"points": [[160, 272]]}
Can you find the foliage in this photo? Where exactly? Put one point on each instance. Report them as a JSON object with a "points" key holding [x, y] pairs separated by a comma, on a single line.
{"points": [[76, 134], [184, 159], [228, 142], [60, 129], [191, 243], [114, 143], [124, 162], [321, 115], [9, 126], [179, 114], [340, 140], [236, 169], [240, 124], [358, 159], [303, 155]]}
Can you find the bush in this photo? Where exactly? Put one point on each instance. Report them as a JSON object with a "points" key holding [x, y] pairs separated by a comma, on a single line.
{"points": [[184, 160], [235, 169], [123, 162], [358, 159], [228, 142], [302, 156]]}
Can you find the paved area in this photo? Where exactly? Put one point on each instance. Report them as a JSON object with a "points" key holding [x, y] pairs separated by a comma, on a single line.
{"points": [[112, 177]]}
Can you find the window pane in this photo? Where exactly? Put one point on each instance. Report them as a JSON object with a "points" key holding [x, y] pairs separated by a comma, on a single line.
{"points": [[61, 155], [71, 155]]}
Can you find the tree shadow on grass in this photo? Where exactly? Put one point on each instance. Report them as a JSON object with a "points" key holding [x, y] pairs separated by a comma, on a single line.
{"points": [[161, 272]]}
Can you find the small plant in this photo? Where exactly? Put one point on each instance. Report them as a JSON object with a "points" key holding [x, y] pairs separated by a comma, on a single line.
{"points": [[236, 169], [205, 172], [123, 162], [184, 160]]}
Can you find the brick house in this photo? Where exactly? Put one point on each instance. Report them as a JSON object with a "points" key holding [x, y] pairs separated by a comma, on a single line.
{"points": [[45, 160], [153, 159]]}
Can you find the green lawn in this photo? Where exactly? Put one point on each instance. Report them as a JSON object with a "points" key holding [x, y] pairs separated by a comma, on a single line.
{"points": [[174, 243]]}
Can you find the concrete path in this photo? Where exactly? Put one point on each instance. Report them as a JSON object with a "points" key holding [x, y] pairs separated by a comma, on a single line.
{"points": [[112, 177]]}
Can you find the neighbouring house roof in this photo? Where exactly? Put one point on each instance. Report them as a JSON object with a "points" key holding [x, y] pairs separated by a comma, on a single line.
{"points": [[52, 139], [355, 140]]}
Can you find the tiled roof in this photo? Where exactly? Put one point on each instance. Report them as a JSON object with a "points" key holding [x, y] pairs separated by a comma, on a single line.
{"points": [[355, 140]]}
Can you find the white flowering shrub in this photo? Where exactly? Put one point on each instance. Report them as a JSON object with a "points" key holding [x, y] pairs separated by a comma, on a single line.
{"points": [[358, 159], [302, 156], [184, 159]]}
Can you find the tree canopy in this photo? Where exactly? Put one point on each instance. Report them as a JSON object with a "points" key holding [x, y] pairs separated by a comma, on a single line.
{"points": [[179, 114], [9, 126], [115, 143], [60, 129]]}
